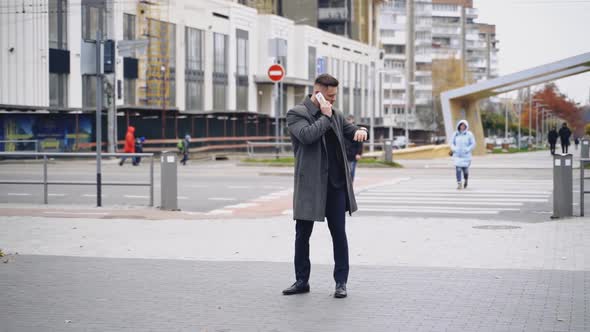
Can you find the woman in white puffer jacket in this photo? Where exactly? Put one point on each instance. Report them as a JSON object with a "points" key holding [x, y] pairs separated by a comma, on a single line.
{"points": [[462, 143]]}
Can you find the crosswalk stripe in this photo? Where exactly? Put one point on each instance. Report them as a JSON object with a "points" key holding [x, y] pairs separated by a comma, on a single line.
{"points": [[437, 208], [451, 199], [414, 202], [461, 195], [429, 211], [455, 191]]}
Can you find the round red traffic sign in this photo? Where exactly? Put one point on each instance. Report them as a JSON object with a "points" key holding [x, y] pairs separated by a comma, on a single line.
{"points": [[276, 72]]}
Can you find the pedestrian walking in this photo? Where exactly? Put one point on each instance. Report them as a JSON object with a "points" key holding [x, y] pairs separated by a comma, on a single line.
{"points": [[354, 150], [576, 142], [462, 144], [129, 143], [323, 185], [138, 149], [552, 139], [185, 148], [564, 138]]}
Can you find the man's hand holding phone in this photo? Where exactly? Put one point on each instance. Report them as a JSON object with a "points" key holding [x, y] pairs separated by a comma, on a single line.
{"points": [[325, 106]]}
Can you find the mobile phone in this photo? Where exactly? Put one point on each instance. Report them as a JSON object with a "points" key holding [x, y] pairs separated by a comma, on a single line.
{"points": [[320, 97]]}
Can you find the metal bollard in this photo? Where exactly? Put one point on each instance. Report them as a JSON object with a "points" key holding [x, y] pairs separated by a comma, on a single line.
{"points": [[585, 151], [388, 148], [562, 186], [168, 181]]}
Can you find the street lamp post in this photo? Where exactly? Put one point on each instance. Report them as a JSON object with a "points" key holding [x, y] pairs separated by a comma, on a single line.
{"points": [[409, 103]]}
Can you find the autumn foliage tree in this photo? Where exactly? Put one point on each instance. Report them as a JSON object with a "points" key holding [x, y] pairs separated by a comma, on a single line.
{"points": [[555, 103]]}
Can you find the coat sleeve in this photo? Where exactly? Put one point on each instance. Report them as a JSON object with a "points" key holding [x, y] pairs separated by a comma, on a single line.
{"points": [[471, 145], [452, 143], [348, 130], [304, 132]]}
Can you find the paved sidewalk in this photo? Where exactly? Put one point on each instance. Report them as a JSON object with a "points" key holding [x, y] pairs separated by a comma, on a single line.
{"points": [[407, 274]]}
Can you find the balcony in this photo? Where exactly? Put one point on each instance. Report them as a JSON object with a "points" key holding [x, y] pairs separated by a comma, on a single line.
{"points": [[471, 12], [333, 14], [446, 30]]}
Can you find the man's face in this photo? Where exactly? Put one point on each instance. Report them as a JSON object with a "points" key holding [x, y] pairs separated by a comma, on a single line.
{"points": [[329, 92]]}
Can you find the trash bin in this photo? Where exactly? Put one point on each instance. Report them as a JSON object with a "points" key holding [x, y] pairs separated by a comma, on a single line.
{"points": [[585, 151], [169, 181], [562, 186], [388, 149]]}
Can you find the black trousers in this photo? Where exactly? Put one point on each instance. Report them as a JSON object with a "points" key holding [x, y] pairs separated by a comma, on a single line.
{"points": [[564, 147], [336, 215], [552, 147]]}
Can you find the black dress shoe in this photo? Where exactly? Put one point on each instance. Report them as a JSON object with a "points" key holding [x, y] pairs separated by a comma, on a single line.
{"points": [[340, 290], [299, 287]]}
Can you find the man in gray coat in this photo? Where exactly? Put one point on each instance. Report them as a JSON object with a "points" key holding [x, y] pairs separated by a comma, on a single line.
{"points": [[323, 187]]}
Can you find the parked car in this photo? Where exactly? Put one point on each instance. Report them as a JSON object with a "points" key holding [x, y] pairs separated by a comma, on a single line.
{"points": [[399, 142]]}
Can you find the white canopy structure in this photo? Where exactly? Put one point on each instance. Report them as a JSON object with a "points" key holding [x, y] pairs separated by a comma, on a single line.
{"points": [[462, 102]]}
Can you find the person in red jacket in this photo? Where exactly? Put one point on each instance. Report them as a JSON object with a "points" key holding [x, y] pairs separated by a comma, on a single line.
{"points": [[129, 143]]}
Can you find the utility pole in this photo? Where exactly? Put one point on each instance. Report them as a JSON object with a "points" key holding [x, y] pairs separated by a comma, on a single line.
{"points": [[530, 113], [99, 113], [410, 37]]}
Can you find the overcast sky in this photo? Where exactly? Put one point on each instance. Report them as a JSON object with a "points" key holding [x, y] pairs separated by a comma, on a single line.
{"points": [[535, 32]]}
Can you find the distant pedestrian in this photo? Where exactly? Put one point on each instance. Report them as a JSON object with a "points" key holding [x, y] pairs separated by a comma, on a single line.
{"points": [[564, 137], [185, 149], [354, 150], [577, 142], [129, 143], [552, 139], [138, 149], [462, 144]]}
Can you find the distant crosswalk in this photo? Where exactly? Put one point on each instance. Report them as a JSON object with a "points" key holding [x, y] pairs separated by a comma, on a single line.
{"points": [[435, 196]]}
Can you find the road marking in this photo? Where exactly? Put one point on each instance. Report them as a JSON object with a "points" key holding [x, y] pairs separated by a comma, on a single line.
{"points": [[240, 187], [90, 195], [219, 212], [455, 191], [287, 212], [76, 213], [136, 196], [221, 199], [18, 194], [456, 200], [240, 206], [58, 195], [394, 201], [182, 197], [436, 208], [363, 209]]}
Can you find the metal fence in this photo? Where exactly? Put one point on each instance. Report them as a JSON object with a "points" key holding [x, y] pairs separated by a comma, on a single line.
{"points": [[46, 183], [267, 148]]}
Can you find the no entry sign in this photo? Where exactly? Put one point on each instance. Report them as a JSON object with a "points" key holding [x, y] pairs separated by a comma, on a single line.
{"points": [[276, 73]]}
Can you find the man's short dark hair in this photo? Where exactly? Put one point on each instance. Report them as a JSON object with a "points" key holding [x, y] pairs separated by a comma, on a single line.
{"points": [[326, 80]]}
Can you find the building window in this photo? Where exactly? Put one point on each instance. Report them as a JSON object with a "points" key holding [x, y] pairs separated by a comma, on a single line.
{"points": [[129, 84], [194, 75], [219, 71], [395, 49], [93, 19], [58, 89], [242, 70], [88, 91], [311, 63], [58, 24], [58, 28]]}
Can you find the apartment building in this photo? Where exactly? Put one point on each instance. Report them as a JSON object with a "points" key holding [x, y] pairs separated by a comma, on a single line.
{"points": [[443, 29]]}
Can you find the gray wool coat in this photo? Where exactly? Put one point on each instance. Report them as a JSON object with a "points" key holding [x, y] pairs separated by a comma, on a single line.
{"points": [[307, 127]]}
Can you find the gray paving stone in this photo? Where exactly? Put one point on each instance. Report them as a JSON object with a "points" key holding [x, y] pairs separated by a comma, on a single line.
{"points": [[41, 293]]}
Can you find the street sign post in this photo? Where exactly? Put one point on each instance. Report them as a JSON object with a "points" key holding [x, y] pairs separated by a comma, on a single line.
{"points": [[276, 73]]}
